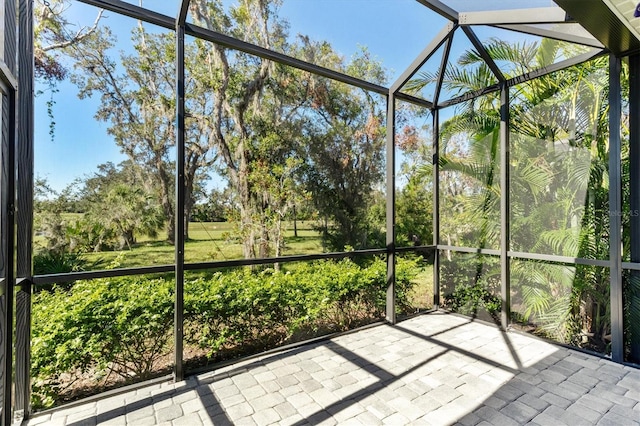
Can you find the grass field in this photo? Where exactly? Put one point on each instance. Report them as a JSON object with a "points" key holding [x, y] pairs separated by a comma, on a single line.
{"points": [[208, 241]]}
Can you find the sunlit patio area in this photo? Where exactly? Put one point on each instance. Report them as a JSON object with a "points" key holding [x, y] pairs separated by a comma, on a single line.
{"points": [[433, 369]]}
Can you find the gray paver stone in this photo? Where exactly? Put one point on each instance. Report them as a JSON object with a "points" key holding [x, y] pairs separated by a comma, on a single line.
{"points": [[192, 406], [285, 410], [266, 417], [613, 419], [227, 391], [533, 402], [115, 421], [576, 412], [253, 392], [519, 411], [271, 386], [243, 381], [169, 413], [494, 402], [627, 412], [552, 376], [379, 409], [145, 421], [544, 419], [596, 403], [299, 400], [493, 416], [345, 410], [244, 409], [396, 419], [245, 421], [555, 400], [269, 400], [444, 394], [368, 418], [470, 419], [323, 397], [140, 413], [613, 398], [188, 420]]}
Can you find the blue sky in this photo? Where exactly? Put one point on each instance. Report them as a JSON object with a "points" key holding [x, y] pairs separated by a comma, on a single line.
{"points": [[394, 31]]}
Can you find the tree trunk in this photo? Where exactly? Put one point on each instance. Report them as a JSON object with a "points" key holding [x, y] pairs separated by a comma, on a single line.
{"points": [[295, 222], [165, 199]]}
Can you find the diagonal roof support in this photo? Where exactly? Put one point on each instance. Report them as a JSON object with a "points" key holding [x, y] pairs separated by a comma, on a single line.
{"points": [[440, 8], [537, 15], [483, 53], [443, 69], [585, 40], [424, 56]]}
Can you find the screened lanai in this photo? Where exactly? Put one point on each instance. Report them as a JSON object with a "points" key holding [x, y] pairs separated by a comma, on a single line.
{"points": [[187, 185]]}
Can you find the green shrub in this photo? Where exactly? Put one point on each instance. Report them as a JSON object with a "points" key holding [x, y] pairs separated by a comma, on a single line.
{"points": [[121, 327], [99, 328], [470, 299]]}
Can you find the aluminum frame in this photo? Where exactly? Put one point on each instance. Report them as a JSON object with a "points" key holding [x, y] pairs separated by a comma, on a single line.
{"points": [[538, 15], [24, 205], [615, 210], [182, 28], [391, 209], [8, 110], [178, 320], [505, 205]]}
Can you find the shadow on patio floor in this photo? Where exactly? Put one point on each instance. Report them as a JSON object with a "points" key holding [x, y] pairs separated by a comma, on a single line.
{"points": [[432, 369]]}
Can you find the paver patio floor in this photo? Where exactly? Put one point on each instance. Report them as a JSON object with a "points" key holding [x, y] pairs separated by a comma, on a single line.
{"points": [[434, 369]]}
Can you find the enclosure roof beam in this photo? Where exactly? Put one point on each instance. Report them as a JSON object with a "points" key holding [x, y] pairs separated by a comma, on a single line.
{"points": [[442, 70], [182, 13], [591, 54], [414, 100], [133, 11], [585, 40], [537, 15], [469, 95], [165, 21], [424, 56], [440, 8], [252, 49], [495, 69]]}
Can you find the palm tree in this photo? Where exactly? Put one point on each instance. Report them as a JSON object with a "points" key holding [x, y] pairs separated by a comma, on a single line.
{"points": [[559, 199]]}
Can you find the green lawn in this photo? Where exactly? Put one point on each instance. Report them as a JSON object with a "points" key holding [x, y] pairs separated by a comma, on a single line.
{"points": [[208, 241]]}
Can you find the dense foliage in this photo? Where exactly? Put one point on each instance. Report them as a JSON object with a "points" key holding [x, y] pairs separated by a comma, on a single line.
{"points": [[109, 331], [559, 205]]}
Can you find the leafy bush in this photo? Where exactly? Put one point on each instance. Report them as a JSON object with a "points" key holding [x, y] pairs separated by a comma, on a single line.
{"points": [[100, 328], [55, 262], [51, 262], [120, 328], [470, 299]]}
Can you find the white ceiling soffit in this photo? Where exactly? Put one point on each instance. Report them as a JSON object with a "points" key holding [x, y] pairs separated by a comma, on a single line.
{"points": [[612, 22], [624, 10], [538, 15]]}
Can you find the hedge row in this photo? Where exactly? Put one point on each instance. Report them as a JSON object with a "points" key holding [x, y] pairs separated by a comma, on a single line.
{"points": [[116, 330]]}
